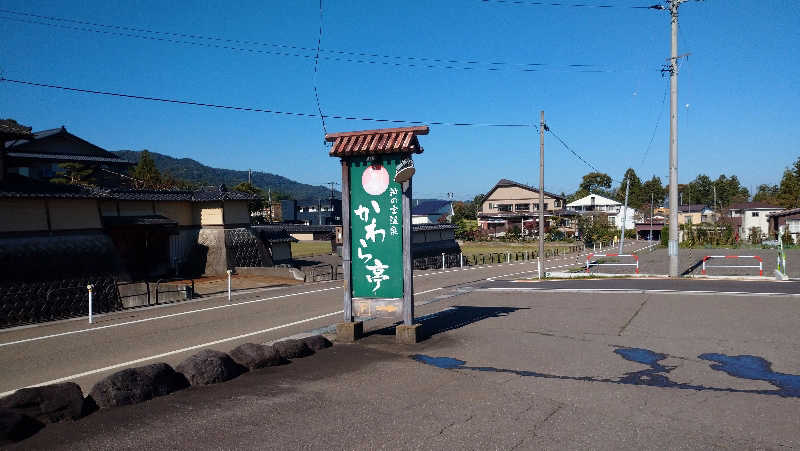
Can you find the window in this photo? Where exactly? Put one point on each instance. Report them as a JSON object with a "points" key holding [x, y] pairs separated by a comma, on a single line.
{"points": [[545, 206], [687, 219], [504, 207], [557, 203], [755, 214], [491, 205], [522, 207]]}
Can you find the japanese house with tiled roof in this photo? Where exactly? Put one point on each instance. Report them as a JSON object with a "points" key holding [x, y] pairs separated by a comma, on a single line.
{"points": [[510, 205], [61, 236]]}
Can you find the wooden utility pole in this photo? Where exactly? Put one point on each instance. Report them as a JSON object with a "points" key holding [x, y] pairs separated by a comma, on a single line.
{"points": [[346, 256], [408, 259]]}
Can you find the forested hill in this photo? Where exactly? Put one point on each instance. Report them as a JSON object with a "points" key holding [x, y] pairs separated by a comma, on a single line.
{"points": [[194, 171]]}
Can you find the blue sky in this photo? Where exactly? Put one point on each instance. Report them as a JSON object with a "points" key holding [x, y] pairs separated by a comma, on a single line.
{"points": [[740, 83]]}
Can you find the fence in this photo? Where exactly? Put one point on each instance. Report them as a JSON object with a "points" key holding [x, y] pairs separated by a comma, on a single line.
{"points": [[760, 265], [453, 260], [589, 262], [322, 272]]}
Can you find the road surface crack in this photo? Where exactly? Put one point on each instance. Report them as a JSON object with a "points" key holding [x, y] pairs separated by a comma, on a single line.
{"points": [[635, 314], [539, 424]]}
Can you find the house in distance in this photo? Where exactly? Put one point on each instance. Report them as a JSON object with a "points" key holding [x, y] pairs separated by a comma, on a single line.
{"points": [[510, 205]]}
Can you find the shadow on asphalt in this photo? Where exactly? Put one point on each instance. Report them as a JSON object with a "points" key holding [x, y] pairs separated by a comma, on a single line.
{"points": [[657, 375], [450, 319]]}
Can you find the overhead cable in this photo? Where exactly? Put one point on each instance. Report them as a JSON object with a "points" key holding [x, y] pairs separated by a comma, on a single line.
{"points": [[291, 50], [258, 110], [571, 5], [316, 71]]}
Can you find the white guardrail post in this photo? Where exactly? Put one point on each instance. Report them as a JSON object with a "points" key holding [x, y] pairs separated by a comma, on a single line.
{"points": [[229, 285], [90, 288], [461, 259], [442, 260]]}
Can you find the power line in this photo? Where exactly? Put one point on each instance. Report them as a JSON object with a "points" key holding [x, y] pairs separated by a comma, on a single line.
{"points": [[658, 122], [567, 5], [258, 110], [316, 71], [360, 57]]}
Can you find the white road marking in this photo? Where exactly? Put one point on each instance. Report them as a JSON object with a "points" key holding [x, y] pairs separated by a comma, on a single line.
{"points": [[171, 315], [177, 351], [635, 291], [428, 291]]}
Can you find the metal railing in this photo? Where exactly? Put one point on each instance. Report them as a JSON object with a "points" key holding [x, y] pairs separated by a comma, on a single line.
{"points": [[322, 272], [590, 263], [760, 265], [453, 260]]}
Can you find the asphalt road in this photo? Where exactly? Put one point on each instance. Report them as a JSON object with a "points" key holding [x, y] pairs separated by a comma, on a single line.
{"points": [[580, 368], [75, 351]]}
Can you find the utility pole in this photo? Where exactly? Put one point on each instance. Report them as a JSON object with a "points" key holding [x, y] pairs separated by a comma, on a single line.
{"points": [[249, 176], [541, 192], [624, 214], [673, 140]]}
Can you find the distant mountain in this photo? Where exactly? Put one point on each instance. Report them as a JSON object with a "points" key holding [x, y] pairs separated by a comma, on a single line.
{"points": [[194, 171]]}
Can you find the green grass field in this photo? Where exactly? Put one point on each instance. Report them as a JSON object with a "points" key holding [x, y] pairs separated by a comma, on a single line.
{"points": [[310, 248]]}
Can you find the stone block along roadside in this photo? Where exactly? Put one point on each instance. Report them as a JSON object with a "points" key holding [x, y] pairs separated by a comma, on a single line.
{"points": [[317, 342], [134, 385], [254, 356], [209, 367], [49, 403], [15, 426], [292, 349]]}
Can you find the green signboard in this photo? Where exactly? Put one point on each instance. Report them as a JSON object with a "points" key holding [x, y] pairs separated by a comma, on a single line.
{"points": [[376, 221]]}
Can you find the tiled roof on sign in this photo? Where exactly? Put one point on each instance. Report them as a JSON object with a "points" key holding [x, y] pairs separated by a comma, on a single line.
{"points": [[376, 142]]}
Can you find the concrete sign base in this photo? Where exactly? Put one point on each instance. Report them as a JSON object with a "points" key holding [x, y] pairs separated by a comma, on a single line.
{"points": [[349, 332], [408, 335]]}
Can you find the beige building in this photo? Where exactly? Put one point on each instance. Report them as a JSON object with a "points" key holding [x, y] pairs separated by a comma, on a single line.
{"points": [[510, 204]]}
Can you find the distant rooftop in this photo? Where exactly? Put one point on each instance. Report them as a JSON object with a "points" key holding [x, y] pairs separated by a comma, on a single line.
{"points": [[58, 144], [430, 207], [753, 206]]}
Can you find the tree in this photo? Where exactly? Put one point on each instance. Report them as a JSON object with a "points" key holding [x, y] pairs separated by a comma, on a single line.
{"points": [[146, 172], [730, 191], [74, 173], [789, 190], [594, 181], [767, 194], [255, 205], [635, 196], [654, 187]]}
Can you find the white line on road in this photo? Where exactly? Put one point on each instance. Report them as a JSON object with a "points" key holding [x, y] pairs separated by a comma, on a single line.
{"points": [[171, 315], [177, 351], [635, 291], [428, 291]]}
